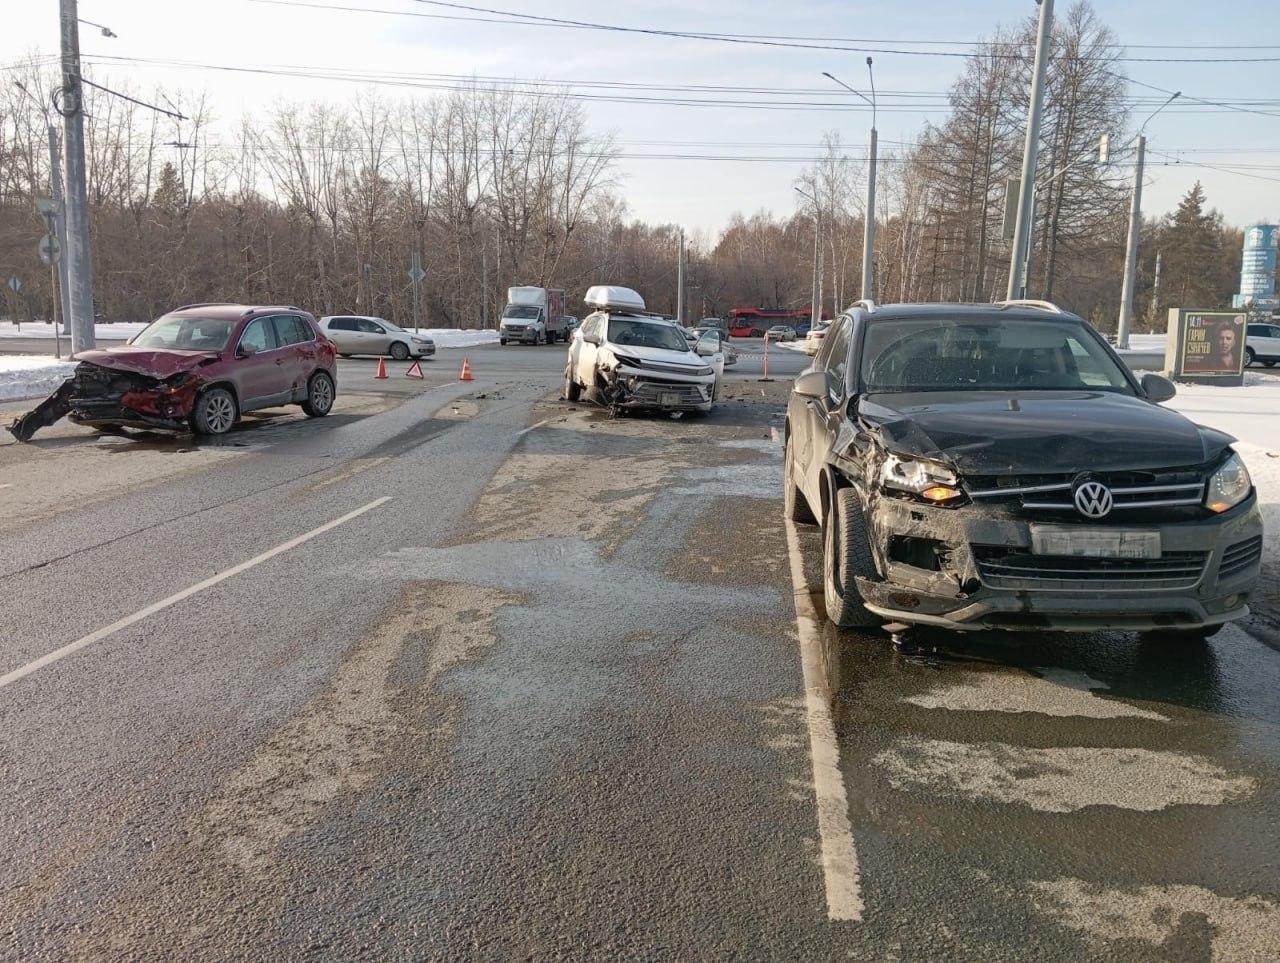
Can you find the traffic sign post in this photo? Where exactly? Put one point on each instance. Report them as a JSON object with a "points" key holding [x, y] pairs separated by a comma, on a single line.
{"points": [[416, 275], [15, 285], [49, 249]]}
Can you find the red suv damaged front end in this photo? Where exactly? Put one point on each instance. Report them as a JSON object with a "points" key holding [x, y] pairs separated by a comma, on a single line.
{"points": [[197, 368]]}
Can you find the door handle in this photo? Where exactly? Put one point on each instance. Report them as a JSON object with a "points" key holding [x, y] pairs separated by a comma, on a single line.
{"points": [[279, 360]]}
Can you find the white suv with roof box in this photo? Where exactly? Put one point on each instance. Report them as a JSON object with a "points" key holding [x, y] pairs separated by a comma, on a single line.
{"points": [[631, 359]]}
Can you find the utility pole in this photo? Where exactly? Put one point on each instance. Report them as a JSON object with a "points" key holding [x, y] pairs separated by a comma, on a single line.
{"points": [[680, 279], [59, 223], [79, 261], [1022, 227], [869, 220], [815, 298], [1154, 311], [1135, 226]]}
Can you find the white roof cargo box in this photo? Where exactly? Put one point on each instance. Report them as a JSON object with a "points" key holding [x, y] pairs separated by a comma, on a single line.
{"points": [[608, 297]]}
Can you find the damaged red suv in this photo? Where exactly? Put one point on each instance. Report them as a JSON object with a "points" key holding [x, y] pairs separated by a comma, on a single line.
{"points": [[200, 368]]}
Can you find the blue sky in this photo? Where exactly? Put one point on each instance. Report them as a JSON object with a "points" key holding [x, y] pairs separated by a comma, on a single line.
{"points": [[700, 194]]}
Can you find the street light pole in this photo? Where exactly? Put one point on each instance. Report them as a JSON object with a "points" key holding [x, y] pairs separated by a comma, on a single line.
{"points": [[680, 279], [1135, 226], [59, 221], [869, 218], [79, 261], [815, 308], [1022, 226]]}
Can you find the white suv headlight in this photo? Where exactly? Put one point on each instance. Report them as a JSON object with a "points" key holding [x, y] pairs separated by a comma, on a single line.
{"points": [[1228, 486], [928, 479]]}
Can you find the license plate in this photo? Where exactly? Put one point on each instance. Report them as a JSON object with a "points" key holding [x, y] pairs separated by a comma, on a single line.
{"points": [[1094, 542], [669, 399]]}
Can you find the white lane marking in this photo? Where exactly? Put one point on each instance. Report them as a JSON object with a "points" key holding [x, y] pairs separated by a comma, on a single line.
{"points": [[839, 856], [524, 431], [72, 647]]}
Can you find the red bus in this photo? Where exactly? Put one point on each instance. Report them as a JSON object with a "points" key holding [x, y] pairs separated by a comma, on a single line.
{"points": [[754, 322]]}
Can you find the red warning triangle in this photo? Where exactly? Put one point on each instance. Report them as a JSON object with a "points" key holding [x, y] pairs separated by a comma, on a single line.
{"points": [[415, 370]]}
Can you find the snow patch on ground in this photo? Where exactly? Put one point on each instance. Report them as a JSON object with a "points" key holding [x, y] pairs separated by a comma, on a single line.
{"points": [[458, 338], [31, 376], [42, 329]]}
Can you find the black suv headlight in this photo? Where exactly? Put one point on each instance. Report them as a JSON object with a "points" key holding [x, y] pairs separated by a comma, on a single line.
{"points": [[1229, 485], [930, 480]]}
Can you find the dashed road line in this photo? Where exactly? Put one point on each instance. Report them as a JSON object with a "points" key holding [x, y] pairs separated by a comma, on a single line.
{"points": [[97, 636], [839, 855], [524, 431]]}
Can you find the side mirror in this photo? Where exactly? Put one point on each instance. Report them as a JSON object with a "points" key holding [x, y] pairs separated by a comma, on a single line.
{"points": [[1158, 388], [706, 350], [811, 384], [592, 338], [246, 350]]}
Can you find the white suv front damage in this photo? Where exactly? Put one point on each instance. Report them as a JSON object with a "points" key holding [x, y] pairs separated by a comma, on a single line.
{"points": [[630, 360]]}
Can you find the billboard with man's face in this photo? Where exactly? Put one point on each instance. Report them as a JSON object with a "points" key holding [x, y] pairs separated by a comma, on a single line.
{"points": [[1214, 343]]}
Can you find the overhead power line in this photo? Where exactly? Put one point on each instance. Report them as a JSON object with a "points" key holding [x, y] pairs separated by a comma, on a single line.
{"points": [[848, 45], [612, 91]]}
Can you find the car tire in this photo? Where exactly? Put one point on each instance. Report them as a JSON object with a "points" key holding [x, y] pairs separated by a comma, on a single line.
{"points": [[846, 555], [503, 342], [1268, 364], [795, 507], [1249, 357], [572, 390], [344, 356], [320, 395], [400, 351], [215, 412]]}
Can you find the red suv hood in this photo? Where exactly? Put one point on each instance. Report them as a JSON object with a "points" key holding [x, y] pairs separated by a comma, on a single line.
{"points": [[156, 362]]}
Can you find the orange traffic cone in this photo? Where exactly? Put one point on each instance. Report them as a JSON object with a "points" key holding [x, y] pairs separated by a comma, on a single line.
{"points": [[466, 371], [382, 369], [415, 370]]}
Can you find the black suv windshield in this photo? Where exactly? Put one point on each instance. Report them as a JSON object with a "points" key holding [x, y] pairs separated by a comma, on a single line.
{"points": [[646, 334], [986, 354], [185, 334], [522, 312]]}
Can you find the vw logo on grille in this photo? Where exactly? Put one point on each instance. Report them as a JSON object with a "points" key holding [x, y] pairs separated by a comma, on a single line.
{"points": [[1093, 499]]}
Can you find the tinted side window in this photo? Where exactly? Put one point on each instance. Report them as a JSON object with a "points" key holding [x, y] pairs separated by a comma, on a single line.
{"points": [[837, 360], [1258, 331], [259, 335], [370, 327], [291, 329], [342, 324]]}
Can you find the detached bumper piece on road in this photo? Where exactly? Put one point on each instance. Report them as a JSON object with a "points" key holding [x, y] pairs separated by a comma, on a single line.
{"points": [[99, 396]]}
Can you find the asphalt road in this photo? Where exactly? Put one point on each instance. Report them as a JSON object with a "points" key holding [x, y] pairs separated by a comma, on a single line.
{"points": [[466, 672]]}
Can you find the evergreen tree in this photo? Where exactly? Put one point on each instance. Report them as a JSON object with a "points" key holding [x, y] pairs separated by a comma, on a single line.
{"points": [[1194, 260]]}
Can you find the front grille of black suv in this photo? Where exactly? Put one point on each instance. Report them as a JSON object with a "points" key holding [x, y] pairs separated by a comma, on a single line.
{"points": [[1177, 488], [1015, 568], [1240, 557]]}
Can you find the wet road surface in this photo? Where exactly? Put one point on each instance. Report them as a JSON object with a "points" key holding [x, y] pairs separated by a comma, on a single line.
{"points": [[549, 700]]}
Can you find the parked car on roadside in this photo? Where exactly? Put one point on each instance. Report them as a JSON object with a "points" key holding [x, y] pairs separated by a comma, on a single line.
{"points": [[998, 466], [570, 326], [719, 324], [354, 334], [632, 360], [781, 332], [199, 368], [813, 340], [1262, 343], [712, 342]]}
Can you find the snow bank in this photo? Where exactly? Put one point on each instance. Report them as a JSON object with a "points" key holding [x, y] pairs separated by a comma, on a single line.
{"points": [[458, 338], [42, 329], [1248, 413], [25, 376]]}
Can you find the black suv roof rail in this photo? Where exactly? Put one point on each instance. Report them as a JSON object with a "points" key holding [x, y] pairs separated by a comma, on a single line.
{"points": [[867, 304], [1029, 303], [205, 304]]}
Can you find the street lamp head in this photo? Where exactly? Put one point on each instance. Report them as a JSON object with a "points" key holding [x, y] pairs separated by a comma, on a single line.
{"points": [[868, 61], [106, 32]]}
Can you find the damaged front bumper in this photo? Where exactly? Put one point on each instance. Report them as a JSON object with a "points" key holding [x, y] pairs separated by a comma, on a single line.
{"points": [[967, 568], [661, 390], [105, 397]]}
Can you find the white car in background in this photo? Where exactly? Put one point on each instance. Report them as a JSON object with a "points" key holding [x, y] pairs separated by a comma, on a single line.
{"points": [[360, 334], [1262, 343], [632, 360], [813, 340]]}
